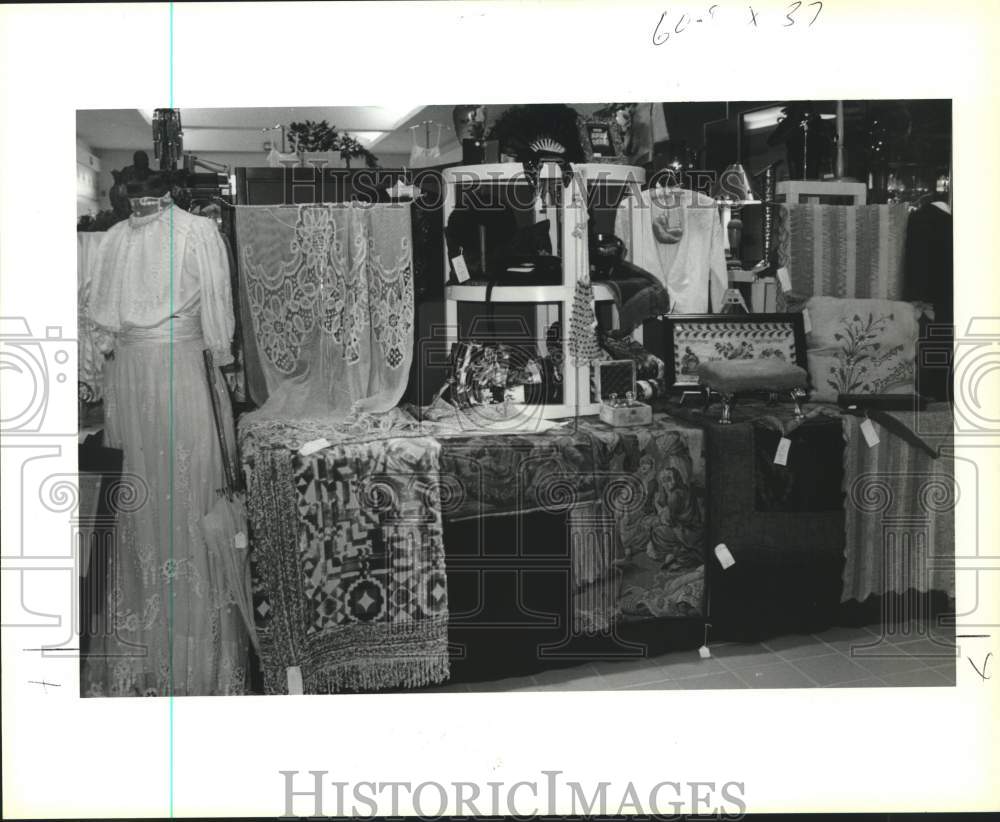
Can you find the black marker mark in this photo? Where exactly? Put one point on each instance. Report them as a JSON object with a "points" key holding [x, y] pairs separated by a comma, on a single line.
{"points": [[677, 29], [753, 16], [44, 684], [817, 3]]}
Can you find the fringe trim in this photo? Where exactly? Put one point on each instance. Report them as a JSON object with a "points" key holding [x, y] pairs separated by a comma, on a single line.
{"points": [[355, 667], [378, 675]]}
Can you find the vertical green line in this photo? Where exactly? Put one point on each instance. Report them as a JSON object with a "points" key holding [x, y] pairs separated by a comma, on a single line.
{"points": [[170, 436]]}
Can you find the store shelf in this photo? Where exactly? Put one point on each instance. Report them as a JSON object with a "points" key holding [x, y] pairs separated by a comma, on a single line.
{"points": [[475, 292], [569, 216]]}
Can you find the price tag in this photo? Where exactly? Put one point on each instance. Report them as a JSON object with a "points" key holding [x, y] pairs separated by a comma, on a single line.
{"points": [[871, 435], [806, 322], [313, 446], [240, 540], [781, 455], [515, 394], [784, 279], [704, 653], [724, 556], [294, 680], [461, 269]]}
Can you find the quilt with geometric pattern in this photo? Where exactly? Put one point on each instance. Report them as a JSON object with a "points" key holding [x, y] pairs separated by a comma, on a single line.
{"points": [[348, 548]]}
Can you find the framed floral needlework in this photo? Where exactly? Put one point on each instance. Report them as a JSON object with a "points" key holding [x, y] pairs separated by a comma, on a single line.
{"points": [[693, 339]]}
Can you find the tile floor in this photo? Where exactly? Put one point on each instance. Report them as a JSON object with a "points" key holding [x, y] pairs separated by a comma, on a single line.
{"points": [[838, 658]]}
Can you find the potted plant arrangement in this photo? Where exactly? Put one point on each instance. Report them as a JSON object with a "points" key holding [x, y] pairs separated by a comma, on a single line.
{"points": [[321, 141]]}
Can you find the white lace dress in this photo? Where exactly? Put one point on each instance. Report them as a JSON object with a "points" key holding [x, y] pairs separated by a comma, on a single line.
{"points": [[161, 295]]}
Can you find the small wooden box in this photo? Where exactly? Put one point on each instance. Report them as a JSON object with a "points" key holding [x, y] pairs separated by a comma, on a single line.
{"points": [[614, 377], [626, 415]]}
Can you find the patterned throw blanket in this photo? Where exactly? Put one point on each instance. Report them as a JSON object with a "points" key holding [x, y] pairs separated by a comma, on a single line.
{"points": [[349, 578], [843, 251], [900, 505]]}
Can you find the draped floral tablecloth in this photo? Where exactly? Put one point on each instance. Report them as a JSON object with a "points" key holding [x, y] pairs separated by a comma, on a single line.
{"points": [[634, 500], [349, 575]]}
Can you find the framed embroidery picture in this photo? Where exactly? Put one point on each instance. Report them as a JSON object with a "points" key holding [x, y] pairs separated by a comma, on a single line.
{"points": [[692, 339], [601, 140]]}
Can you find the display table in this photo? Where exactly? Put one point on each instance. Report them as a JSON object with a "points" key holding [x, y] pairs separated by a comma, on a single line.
{"points": [[554, 538], [782, 524]]}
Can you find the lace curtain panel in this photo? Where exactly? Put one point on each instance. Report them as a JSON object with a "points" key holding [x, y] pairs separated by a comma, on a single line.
{"points": [[329, 290]]}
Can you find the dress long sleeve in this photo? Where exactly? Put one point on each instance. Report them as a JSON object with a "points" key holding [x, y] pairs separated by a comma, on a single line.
{"points": [[103, 304], [217, 319]]}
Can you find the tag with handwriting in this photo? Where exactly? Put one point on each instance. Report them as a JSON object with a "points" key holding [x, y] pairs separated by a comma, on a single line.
{"points": [[704, 653], [294, 680], [781, 455], [784, 279], [461, 269], [724, 556], [807, 325], [313, 446], [871, 435]]}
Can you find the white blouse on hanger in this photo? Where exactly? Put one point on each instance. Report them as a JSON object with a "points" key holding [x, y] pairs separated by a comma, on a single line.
{"points": [[693, 269]]}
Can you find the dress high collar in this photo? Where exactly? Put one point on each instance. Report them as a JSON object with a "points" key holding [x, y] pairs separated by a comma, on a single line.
{"points": [[148, 209]]}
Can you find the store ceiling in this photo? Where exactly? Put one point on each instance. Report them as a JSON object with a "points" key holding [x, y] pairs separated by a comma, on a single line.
{"points": [[243, 129], [384, 129]]}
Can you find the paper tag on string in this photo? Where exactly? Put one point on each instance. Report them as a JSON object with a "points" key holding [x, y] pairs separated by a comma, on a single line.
{"points": [[724, 556], [515, 394], [240, 540], [807, 325], [294, 680], [313, 446], [461, 269], [871, 435], [781, 455], [704, 653], [784, 279]]}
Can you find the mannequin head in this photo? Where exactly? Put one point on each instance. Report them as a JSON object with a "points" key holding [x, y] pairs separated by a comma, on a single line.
{"points": [[140, 162], [155, 185]]}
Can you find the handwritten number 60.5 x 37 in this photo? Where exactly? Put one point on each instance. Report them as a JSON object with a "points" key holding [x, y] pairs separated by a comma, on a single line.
{"points": [[755, 18]]}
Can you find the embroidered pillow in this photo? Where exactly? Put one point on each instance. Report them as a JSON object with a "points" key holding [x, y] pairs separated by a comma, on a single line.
{"points": [[861, 347]]}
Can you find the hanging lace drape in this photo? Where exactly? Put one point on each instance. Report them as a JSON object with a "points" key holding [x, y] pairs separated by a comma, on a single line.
{"points": [[330, 293]]}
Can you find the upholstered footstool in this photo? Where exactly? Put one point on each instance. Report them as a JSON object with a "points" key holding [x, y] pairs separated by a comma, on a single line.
{"points": [[728, 378]]}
